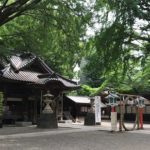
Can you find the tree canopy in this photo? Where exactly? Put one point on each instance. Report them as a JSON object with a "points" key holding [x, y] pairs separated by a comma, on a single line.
{"points": [[117, 55], [120, 51], [53, 29], [125, 28]]}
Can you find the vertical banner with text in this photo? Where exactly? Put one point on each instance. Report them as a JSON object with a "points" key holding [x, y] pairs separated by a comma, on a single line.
{"points": [[97, 109]]}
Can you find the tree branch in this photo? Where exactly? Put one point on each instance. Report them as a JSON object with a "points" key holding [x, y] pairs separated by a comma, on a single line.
{"points": [[15, 9], [4, 5]]}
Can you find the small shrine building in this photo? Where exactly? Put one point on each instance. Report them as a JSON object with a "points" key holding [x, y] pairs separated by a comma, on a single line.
{"points": [[24, 79]]}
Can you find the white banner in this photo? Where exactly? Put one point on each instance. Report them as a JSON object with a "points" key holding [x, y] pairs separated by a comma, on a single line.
{"points": [[97, 109]]}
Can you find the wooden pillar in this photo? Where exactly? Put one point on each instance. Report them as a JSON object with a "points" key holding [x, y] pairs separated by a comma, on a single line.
{"points": [[76, 113], [41, 102], [61, 106], [121, 116], [35, 111], [57, 106], [25, 108]]}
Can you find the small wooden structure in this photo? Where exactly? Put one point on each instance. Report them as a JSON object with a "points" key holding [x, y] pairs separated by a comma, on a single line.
{"points": [[76, 107]]}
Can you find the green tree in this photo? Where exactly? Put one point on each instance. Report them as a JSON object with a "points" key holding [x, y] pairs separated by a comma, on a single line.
{"points": [[125, 28], [120, 49], [54, 30]]}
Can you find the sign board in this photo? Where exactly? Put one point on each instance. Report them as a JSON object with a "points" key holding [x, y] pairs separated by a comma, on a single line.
{"points": [[113, 121], [14, 99], [97, 109], [128, 109], [147, 109]]}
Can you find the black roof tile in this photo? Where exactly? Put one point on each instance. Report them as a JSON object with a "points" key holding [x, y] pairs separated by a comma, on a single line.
{"points": [[16, 70]]}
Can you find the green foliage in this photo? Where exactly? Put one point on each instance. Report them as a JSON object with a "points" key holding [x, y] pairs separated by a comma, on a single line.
{"points": [[92, 70], [54, 30], [87, 90], [120, 50], [101, 88], [1, 103], [122, 25]]}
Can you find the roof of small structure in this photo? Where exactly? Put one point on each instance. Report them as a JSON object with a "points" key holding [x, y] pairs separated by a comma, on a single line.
{"points": [[80, 99], [83, 100], [31, 69]]}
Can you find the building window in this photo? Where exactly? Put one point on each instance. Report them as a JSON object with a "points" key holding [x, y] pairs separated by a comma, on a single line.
{"points": [[84, 109]]}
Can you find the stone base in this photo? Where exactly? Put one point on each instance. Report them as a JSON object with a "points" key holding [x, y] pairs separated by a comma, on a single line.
{"points": [[68, 121], [1, 122], [89, 119], [47, 121], [64, 121], [61, 121], [23, 123], [98, 123]]}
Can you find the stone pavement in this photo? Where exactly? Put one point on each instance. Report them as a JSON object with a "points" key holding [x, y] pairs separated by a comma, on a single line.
{"points": [[32, 131]]}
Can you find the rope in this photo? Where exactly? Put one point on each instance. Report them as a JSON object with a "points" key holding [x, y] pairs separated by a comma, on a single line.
{"points": [[136, 122]]}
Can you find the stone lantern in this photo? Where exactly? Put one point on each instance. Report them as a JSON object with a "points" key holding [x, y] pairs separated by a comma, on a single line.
{"points": [[92, 103], [90, 117], [48, 116], [48, 100]]}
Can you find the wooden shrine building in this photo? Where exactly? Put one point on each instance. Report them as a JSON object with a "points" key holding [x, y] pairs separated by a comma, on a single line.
{"points": [[24, 79]]}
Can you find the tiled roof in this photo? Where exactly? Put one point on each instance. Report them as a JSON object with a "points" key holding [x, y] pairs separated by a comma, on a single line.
{"points": [[19, 63], [26, 76], [83, 100], [17, 70]]}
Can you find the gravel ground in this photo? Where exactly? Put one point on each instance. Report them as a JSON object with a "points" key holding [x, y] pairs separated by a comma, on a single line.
{"points": [[78, 139]]}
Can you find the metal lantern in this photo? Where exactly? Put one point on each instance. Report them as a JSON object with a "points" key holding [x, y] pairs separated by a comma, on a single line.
{"points": [[141, 102]]}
